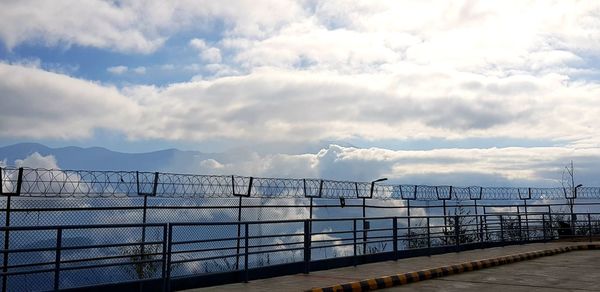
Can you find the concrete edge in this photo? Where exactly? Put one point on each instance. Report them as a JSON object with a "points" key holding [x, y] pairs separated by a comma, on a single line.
{"points": [[411, 277]]}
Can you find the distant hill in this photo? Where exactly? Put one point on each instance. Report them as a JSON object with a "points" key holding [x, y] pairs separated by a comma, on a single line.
{"points": [[97, 158]]}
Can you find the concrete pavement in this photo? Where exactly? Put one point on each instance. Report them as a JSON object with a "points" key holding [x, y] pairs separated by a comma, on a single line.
{"points": [[573, 271], [301, 282]]}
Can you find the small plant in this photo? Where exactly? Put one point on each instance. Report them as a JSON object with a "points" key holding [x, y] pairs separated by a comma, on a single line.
{"points": [[463, 221], [418, 238], [380, 247], [143, 258]]}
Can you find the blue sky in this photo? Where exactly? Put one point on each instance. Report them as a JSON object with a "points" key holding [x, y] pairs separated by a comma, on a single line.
{"points": [[416, 78]]}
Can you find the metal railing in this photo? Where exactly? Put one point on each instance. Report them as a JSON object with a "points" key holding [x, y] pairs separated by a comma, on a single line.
{"points": [[62, 197], [233, 227], [163, 256]]}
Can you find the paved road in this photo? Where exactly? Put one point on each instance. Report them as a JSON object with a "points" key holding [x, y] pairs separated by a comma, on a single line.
{"points": [[301, 282], [573, 271]]}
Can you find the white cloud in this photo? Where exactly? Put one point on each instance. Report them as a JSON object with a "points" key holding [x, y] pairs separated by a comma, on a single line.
{"points": [[94, 23], [118, 70], [134, 26], [140, 70], [286, 105], [36, 160], [207, 53], [41, 104], [414, 103], [517, 166]]}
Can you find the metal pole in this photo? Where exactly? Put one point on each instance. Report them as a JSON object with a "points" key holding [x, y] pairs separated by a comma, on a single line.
{"points": [[589, 217], [354, 240], [7, 232], [485, 226], [457, 231], [144, 223], [164, 255], [364, 226], [445, 221], [408, 224], [526, 218], [6, 244], [311, 208], [307, 246], [481, 228], [57, 259], [239, 234], [428, 234], [395, 236], [544, 226], [501, 228], [144, 215], [520, 229], [551, 224], [477, 219], [246, 251], [137, 182], [169, 249]]}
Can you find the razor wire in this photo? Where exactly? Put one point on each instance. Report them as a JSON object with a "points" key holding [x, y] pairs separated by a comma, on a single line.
{"points": [[38, 182]]}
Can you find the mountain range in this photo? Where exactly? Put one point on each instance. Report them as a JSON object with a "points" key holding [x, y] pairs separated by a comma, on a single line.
{"points": [[98, 158]]}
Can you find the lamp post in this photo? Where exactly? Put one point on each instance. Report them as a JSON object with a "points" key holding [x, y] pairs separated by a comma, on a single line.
{"points": [[572, 202], [366, 224]]}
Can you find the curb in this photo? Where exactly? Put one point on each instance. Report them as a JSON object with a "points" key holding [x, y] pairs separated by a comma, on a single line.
{"points": [[411, 277]]}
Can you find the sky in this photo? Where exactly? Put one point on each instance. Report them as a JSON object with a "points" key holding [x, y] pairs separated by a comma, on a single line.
{"points": [[428, 90]]}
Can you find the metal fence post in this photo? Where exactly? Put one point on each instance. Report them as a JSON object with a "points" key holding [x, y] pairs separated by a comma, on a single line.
{"points": [[527, 215], [476, 217], [445, 220], [307, 246], [544, 227], [428, 234], [395, 236], [408, 224], [502, 228], [365, 226], [457, 232], [520, 229], [551, 225], [164, 255], [239, 217], [59, 232], [167, 283], [354, 240], [145, 214], [481, 218], [7, 225], [246, 252], [589, 217], [239, 234]]}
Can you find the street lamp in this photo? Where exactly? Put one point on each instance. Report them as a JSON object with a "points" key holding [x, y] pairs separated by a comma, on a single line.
{"points": [[572, 202], [373, 184], [366, 224]]}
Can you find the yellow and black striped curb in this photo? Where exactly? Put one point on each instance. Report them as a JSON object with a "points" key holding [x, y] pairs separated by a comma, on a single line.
{"points": [[411, 277]]}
